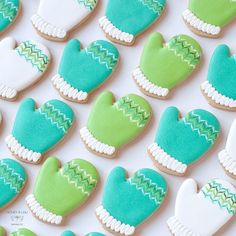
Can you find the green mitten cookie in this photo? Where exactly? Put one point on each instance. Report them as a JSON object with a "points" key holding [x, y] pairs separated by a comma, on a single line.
{"points": [[220, 87], [83, 70], [127, 203], [165, 65], [36, 130], [59, 191], [207, 18], [2, 231], [112, 125], [180, 142], [23, 232]]}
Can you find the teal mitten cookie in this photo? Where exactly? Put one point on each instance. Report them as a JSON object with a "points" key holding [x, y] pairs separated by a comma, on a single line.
{"points": [[165, 65], [220, 87], [36, 130], [12, 181], [9, 10], [112, 125], [71, 185], [83, 70], [67, 233], [95, 234], [180, 142], [124, 20], [207, 18], [127, 203], [23, 232]]}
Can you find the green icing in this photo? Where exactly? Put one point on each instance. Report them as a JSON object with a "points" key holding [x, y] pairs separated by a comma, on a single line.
{"points": [[40, 129], [189, 138], [12, 180], [95, 234], [222, 72], [2, 231], [73, 182], [166, 65], [89, 4], [118, 123], [134, 16], [68, 233], [23, 232], [136, 200]]}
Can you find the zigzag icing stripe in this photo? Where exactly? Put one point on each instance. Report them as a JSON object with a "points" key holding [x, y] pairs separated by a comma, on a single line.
{"points": [[153, 5], [228, 162], [89, 4], [7, 92], [8, 10]]}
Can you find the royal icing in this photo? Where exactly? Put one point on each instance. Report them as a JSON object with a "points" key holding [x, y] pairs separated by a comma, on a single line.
{"points": [[95, 234], [23, 232], [67, 233], [2, 231]]}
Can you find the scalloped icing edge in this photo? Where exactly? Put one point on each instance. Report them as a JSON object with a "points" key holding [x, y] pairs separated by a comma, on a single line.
{"points": [[40, 212], [67, 90], [227, 162], [22, 152], [113, 224], [94, 144], [7, 92], [216, 96], [165, 160], [199, 24]]}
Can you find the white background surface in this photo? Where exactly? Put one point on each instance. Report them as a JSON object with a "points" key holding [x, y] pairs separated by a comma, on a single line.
{"points": [[133, 157]]}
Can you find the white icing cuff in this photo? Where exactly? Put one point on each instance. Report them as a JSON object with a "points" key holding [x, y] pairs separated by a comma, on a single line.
{"points": [[47, 28], [217, 97], [113, 224], [148, 86], [178, 229], [94, 144], [7, 92], [166, 160], [114, 32], [67, 90], [40, 212], [20, 151], [228, 162], [200, 25]]}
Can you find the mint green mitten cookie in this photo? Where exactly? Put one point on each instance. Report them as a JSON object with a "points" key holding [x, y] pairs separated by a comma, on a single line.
{"points": [[180, 142], [165, 65], [220, 87], [83, 70], [23, 232], [207, 18], [36, 130], [59, 191], [124, 20], [127, 203], [112, 125]]}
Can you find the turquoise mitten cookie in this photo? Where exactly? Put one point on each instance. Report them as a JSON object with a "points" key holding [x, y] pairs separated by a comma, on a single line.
{"points": [[23, 232], [83, 70], [12, 181], [180, 142], [220, 87], [127, 203], [67, 233], [95, 234], [124, 20], [36, 130]]}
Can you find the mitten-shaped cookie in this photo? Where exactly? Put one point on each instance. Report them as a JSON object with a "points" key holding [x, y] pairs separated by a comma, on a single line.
{"points": [[12, 181], [54, 20], [83, 70], [23, 232], [20, 66], [207, 18], [36, 130], [112, 125], [165, 65], [203, 212], [9, 10], [180, 142], [227, 156], [220, 87], [67, 233], [123, 21], [2, 231], [95, 234], [127, 203], [71, 185]]}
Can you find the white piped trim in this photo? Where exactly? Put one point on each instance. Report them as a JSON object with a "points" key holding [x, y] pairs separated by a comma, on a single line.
{"points": [[200, 25], [94, 144], [166, 160], [148, 86], [67, 90], [40, 212], [47, 28], [114, 32], [7, 92], [21, 152], [228, 162], [113, 224], [178, 229], [217, 97]]}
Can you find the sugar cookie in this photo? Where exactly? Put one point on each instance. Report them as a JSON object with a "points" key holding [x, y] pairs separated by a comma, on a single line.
{"points": [[95, 234], [23, 232], [2, 231], [67, 233]]}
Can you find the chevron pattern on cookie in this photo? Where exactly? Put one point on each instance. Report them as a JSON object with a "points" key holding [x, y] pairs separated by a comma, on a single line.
{"points": [[8, 10], [33, 54], [153, 5], [220, 196], [89, 4]]}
